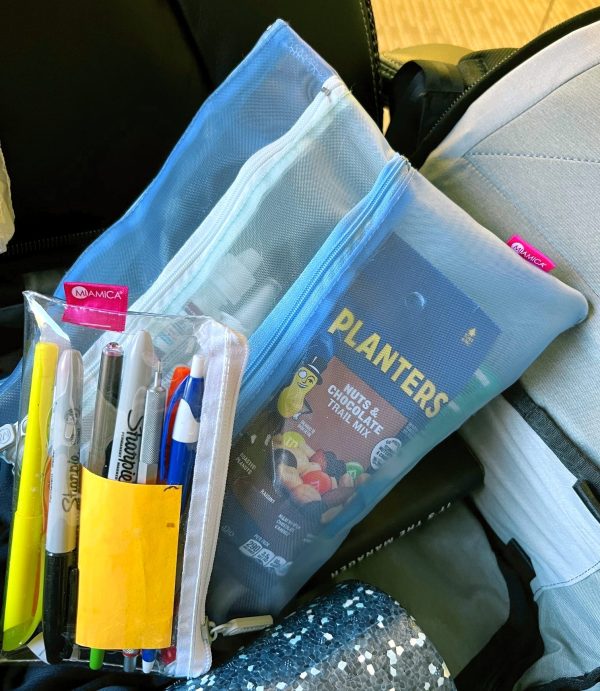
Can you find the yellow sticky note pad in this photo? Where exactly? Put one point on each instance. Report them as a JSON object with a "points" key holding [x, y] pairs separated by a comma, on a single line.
{"points": [[127, 561]]}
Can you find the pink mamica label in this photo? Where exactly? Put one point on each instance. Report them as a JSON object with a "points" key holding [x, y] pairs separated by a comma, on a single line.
{"points": [[97, 305], [530, 253]]}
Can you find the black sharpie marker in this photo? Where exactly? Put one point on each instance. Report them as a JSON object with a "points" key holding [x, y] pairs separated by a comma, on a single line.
{"points": [[63, 509], [127, 442]]}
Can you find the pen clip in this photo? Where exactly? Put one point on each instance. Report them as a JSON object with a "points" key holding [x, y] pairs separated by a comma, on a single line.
{"points": [[163, 468]]}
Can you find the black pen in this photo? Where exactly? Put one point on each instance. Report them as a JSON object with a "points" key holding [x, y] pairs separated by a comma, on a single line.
{"points": [[105, 412], [103, 429]]}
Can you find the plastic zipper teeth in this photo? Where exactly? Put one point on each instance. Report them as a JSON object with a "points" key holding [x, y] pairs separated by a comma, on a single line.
{"points": [[197, 640], [213, 514], [202, 249], [257, 373]]}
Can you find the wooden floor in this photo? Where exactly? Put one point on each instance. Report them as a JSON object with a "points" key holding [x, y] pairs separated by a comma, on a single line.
{"points": [[473, 24]]}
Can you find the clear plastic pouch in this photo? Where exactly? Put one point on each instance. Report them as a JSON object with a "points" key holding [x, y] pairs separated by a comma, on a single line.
{"points": [[113, 538], [409, 318]]}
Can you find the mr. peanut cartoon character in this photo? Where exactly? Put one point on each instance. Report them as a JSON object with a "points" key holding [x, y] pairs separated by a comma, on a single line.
{"points": [[291, 401]]}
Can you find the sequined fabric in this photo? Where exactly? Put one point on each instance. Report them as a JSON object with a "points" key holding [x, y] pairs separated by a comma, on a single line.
{"points": [[353, 639]]}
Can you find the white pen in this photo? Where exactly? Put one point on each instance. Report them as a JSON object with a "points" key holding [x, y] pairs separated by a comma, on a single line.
{"points": [[63, 508], [137, 368]]}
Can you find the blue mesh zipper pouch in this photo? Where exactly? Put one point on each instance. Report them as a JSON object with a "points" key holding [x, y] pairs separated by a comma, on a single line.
{"points": [[410, 317]]}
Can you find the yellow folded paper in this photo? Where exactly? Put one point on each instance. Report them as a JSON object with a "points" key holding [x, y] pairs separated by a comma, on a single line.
{"points": [[127, 561]]}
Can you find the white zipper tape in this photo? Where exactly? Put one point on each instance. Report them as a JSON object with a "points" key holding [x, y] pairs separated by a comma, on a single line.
{"points": [[225, 354]]}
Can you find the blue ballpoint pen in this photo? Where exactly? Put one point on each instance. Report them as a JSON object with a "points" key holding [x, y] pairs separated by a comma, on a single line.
{"points": [[165, 443], [183, 445], [186, 428], [148, 660]]}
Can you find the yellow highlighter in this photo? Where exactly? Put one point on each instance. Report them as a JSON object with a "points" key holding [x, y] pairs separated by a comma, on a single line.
{"points": [[23, 601]]}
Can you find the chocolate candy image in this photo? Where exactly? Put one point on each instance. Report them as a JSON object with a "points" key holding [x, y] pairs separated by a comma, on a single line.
{"points": [[300, 459], [294, 440], [308, 467], [318, 479], [355, 469], [335, 467], [284, 457], [304, 494], [320, 458]]}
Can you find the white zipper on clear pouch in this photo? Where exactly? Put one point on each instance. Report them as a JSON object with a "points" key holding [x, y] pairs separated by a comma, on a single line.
{"points": [[225, 354], [200, 247], [199, 251]]}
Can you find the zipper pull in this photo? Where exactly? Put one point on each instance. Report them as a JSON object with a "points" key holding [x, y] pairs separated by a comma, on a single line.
{"points": [[10, 440], [234, 627]]}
